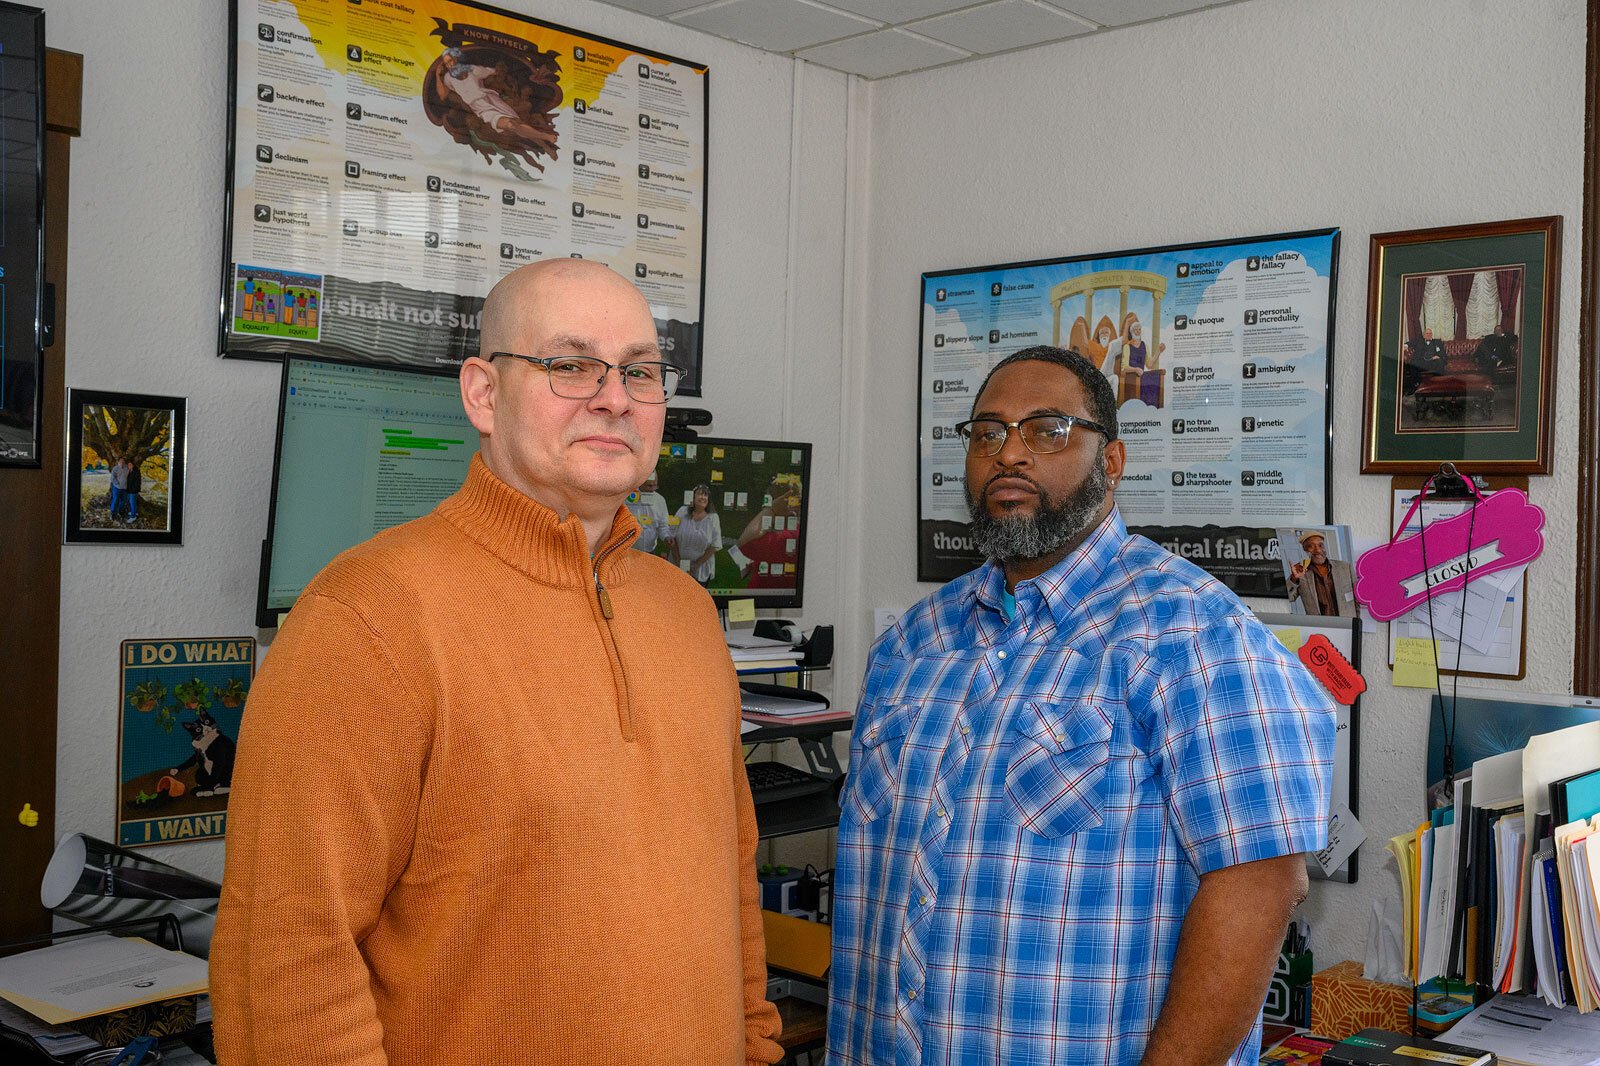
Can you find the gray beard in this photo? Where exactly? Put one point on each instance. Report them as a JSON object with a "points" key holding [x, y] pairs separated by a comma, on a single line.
{"points": [[1014, 537]]}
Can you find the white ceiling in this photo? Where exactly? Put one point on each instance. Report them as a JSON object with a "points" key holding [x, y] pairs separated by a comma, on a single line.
{"points": [[880, 38]]}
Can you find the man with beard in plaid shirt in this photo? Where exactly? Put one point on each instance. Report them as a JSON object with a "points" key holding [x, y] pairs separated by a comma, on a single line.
{"points": [[1082, 779]]}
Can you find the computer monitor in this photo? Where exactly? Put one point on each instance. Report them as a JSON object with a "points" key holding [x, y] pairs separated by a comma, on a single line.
{"points": [[360, 449], [746, 537]]}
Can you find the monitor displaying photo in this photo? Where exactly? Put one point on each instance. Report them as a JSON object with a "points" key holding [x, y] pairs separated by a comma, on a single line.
{"points": [[731, 514]]}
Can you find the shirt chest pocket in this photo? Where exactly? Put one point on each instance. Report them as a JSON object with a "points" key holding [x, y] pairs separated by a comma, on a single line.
{"points": [[875, 767], [1056, 768]]}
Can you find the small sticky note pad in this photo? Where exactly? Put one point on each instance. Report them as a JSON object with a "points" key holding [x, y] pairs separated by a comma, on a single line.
{"points": [[741, 610], [1416, 663], [1288, 637]]}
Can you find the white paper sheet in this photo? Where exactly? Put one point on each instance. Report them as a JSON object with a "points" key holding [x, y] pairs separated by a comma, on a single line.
{"points": [[1522, 1030], [92, 975], [1345, 835]]}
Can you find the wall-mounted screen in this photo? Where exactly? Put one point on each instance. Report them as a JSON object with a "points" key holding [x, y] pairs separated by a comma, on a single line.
{"points": [[360, 449], [731, 514], [21, 232], [389, 162]]}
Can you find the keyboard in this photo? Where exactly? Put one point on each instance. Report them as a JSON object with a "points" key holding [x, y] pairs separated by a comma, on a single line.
{"points": [[773, 781]]}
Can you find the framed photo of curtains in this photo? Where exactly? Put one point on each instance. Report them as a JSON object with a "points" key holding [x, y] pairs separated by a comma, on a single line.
{"points": [[1461, 326]]}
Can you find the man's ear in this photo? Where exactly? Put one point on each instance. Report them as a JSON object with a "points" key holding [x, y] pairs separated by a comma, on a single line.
{"points": [[480, 381], [1115, 456]]}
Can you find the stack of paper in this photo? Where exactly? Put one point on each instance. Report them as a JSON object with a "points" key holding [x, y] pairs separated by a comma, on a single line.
{"points": [[92, 975], [1525, 1032], [56, 1041], [752, 653], [1509, 890]]}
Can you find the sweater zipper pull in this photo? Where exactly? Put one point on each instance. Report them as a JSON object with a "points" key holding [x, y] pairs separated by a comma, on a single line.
{"points": [[604, 596]]}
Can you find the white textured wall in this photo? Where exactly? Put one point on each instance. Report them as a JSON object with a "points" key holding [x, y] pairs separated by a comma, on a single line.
{"points": [[1260, 117], [145, 253]]}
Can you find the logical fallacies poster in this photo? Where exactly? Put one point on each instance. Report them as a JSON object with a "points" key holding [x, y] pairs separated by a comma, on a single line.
{"points": [[1220, 358], [393, 159]]}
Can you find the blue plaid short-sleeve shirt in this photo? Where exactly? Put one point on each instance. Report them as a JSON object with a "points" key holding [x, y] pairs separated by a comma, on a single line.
{"points": [[1032, 801]]}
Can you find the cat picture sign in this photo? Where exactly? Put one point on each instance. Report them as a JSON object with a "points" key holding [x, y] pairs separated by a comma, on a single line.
{"points": [[181, 704]]}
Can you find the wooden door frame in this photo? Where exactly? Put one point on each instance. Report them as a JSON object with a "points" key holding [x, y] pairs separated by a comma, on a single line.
{"points": [[1586, 641]]}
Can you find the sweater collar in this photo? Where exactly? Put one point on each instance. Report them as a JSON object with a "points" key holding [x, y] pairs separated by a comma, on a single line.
{"points": [[533, 538]]}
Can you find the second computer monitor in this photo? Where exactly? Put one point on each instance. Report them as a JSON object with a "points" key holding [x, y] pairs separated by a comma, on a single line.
{"points": [[731, 514]]}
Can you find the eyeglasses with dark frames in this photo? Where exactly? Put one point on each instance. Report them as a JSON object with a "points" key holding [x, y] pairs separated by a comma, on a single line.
{"points": [[1042, 434], [579, 377]]}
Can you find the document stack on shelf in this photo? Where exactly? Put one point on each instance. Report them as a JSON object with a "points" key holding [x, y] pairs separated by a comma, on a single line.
{"points": [[760, 653], [799, 707], [1502, 888], [1525, 1032]]}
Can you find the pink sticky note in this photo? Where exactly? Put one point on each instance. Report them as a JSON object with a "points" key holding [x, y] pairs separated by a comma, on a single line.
{"points": [[1505, 532]]}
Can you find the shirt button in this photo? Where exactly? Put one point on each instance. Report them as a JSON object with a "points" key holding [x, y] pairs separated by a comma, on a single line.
{"points": [[964, 729], [922, 900], [911, 994], [1061, 737], [1000, 654], [942, 814]]}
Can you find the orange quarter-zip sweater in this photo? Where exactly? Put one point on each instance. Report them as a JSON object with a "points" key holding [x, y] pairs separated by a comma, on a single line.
{"points": [[490, 807]]}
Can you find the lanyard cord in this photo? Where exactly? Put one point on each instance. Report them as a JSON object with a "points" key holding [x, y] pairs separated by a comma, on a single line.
{"points": [[1447, 722]]}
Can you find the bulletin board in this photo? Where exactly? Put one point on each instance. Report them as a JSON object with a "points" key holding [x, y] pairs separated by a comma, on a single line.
{"points": [[1507, 657], [1344, 634]]}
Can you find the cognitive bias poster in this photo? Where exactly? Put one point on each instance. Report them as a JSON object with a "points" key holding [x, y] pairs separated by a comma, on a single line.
{"points": [[393, 159], [1220, 358], [181, 704]]}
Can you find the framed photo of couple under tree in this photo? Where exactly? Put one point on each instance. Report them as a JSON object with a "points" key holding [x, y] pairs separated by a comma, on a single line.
{"points": [[1461, 328], [125, 462]]}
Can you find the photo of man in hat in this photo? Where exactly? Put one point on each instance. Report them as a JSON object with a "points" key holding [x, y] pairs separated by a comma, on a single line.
{"points": [[1318, 583]]}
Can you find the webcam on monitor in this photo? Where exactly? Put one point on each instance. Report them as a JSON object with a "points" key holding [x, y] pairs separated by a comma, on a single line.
{"points": [[681, 420]]}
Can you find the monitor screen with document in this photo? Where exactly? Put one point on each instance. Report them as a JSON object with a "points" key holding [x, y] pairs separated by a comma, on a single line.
{"points": [[360, 449], [732, 514]]}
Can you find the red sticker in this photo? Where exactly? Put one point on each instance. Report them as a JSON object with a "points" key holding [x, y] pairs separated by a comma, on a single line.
{"points": [[1331, 668]]}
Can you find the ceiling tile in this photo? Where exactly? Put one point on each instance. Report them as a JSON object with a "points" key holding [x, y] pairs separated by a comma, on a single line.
{"points": [[878, 55], [893, 11], [1123, 12], [658, 8], [1002, 25], [776, 25]]}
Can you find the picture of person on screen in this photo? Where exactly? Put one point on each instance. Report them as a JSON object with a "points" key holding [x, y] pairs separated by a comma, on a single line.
{"points": [[698, 536], [466, 723], [649, 508], [770, 538]]}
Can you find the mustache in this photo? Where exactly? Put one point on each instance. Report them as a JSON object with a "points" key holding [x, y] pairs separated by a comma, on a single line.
{"points": [[620, 429], [1003, 476]]}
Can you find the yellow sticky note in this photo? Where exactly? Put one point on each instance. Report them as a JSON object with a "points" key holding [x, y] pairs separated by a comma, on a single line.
{"points": [[1416, 663], [1289, 638], [741, 610], [716, 475]]}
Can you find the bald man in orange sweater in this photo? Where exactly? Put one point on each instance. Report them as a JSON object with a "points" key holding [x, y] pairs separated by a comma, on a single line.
{"points": [[490, 804]]}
